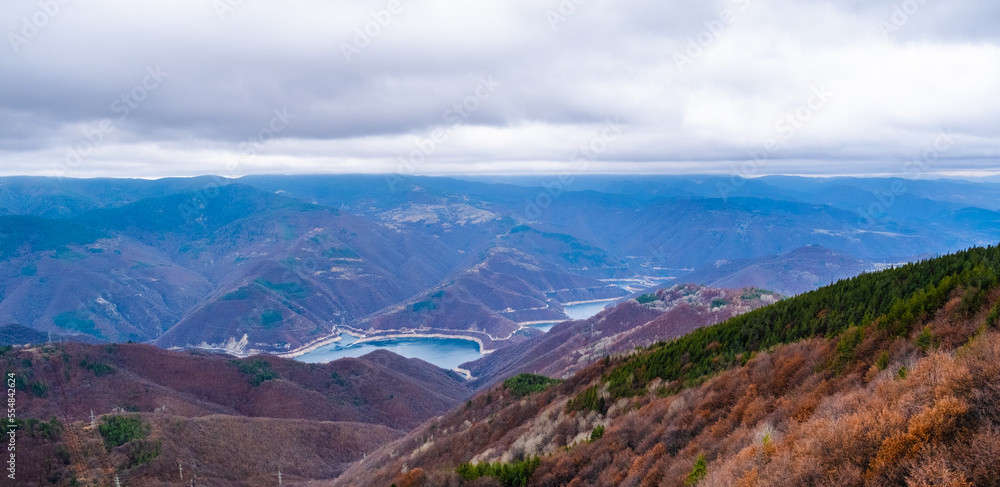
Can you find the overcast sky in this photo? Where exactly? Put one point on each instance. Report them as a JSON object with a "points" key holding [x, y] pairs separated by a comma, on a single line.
{"points": [[748, 87]]}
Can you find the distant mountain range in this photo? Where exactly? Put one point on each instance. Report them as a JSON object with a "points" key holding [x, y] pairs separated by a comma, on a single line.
{"points": [[277, 263], [790, 273]]}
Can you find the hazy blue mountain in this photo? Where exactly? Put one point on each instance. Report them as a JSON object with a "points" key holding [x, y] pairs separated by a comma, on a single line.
{"points": [[791, 273], [274, 263], [64, 197]]}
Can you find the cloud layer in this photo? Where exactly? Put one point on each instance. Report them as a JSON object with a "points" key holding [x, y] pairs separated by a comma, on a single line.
{"points": [[750, 87]]}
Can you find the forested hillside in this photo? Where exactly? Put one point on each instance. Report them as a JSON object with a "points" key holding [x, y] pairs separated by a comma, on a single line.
{"points": [[890, 378]]}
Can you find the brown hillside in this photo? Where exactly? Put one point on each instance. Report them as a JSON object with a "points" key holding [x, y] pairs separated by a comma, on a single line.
{"points": [[229, 417], [868, 406]]}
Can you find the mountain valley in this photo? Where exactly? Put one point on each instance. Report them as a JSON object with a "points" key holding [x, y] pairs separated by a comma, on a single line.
{"points": [[731, 325], [280, 263]]}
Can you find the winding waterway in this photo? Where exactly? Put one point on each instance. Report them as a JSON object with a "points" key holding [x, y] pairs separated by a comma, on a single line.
{"points": [[447, 353], [585, 310]]}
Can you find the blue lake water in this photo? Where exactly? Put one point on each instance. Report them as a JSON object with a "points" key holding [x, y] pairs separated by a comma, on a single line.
{"points": [[575, 312], [545, 326], [446, 353], [586, 310]]}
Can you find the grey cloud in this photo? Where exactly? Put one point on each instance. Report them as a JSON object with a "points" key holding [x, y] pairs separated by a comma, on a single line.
{"points": [[602, 60]]}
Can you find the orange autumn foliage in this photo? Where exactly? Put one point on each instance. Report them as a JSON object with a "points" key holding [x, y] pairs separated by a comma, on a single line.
{"points": [[796, 414]]}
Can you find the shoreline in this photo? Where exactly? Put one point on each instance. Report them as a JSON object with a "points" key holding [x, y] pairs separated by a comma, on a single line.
{"points": [[523, 324], [362, 338], [394, 336], [573, 303], [464, 373], [311, 346]]}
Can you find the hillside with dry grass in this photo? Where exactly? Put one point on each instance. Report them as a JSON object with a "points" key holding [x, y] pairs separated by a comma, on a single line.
{"points": [[891, 378]]}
